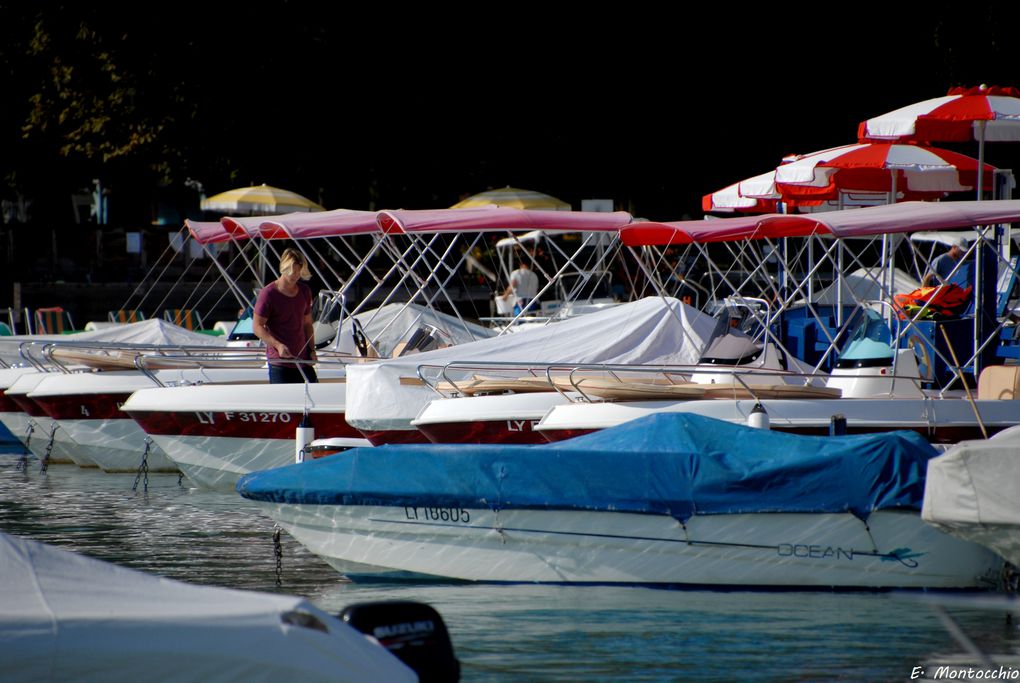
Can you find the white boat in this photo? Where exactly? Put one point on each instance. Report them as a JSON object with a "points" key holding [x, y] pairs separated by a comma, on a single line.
{"points": [[672, 499], [905, 386], [16, 420], [387, 400], [875, 388], [66, 617], [113, 347], [57, 445], [730, 356], [500, 418], [216, 433], [971, 493], [203, 430], [87, 408]]}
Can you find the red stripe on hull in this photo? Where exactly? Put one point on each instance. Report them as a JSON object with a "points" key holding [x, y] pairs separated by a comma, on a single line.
{"points": [[483, 431], [28, 406], [254, 425], [84, 406], [385, 436], [7, 404]]}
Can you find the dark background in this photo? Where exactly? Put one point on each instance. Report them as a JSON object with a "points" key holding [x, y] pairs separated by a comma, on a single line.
{"points": [[420, 106]]}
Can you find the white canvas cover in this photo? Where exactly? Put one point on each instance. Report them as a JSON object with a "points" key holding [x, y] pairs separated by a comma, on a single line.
{"points": [[390, 324], [65, 617], [864, 284], [149, 332], [971, 492], [650, 331]]}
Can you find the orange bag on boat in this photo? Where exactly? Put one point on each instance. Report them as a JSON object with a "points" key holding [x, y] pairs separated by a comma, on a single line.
{"points": [[946, 301]]}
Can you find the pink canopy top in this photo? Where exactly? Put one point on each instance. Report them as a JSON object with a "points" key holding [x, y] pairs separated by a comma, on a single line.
{"points": [[873, 220], [319, 224], [242, 227], [207, 232], [493, 218]]}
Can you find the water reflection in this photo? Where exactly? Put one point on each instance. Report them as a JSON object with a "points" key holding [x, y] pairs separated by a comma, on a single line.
{"points": [[501, 632]]}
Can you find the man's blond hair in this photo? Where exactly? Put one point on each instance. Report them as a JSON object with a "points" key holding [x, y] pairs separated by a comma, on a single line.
{"points": [[292, 258]]}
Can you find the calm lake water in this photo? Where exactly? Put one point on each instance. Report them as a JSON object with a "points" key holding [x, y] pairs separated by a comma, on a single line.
{"points": [[501, 633]]}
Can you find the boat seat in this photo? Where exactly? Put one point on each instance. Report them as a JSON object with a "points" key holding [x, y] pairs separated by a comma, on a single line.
{"points": [[999, 382], [53, 320], [187, 318], [1009, 342], [10, 326], [126, 315]]}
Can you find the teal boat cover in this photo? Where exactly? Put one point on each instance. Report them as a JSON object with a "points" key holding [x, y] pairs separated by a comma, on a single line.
{"points": [[668, 463]]}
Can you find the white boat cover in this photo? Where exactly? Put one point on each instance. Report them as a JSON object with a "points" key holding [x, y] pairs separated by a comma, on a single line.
{"points": [[152, 332], [975, 484], [654, 331], [65, 617], [864, 284], [390, 324]]}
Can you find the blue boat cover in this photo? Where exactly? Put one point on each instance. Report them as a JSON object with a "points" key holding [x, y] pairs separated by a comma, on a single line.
{"points": [[668, 463]]}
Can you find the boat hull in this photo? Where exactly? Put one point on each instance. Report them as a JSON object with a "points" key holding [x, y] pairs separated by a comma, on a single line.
{"points": [[781, 550], [102, 433], [504, 419], [939, 420], [46, 435], [216, 433], [88, 408], [512, 430], [116, 445], [217, 462]]}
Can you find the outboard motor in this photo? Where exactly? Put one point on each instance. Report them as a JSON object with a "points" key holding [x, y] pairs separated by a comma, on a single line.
{"points": [[413, 632]]}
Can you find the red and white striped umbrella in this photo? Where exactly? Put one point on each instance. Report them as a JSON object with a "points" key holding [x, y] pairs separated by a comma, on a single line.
{"points": [[981, 113], [959, 116], [859, 174], [877, 167], [754, 195]]}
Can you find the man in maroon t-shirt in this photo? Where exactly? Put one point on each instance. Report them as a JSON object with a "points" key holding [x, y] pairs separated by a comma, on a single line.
{"points": [[283, 321]]}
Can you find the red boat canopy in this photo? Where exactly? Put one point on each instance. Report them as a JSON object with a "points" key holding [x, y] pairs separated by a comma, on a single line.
{"points": [[319, 224], [207, 232], [243, 227], [872, 220], [497, 219], [349, 222]]}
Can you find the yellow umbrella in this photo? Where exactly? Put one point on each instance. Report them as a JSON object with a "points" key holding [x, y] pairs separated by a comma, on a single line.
{"points": [[513, 198], [260, 199]]}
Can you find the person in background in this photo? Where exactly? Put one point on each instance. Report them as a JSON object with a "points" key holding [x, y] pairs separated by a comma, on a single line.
{"points": [[943, 266], [283, 321], [523, 284]]}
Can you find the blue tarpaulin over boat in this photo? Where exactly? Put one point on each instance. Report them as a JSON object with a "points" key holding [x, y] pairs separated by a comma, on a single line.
{"points": [[674, 464]]}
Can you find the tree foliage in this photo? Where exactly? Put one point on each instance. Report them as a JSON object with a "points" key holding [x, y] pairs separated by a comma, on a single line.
{"points": [[87, 101], [96, 97]]}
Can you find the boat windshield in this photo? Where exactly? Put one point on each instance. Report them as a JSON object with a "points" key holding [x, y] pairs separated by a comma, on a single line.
{"points": [[244, 329], [731, 343], [870, 345]]}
